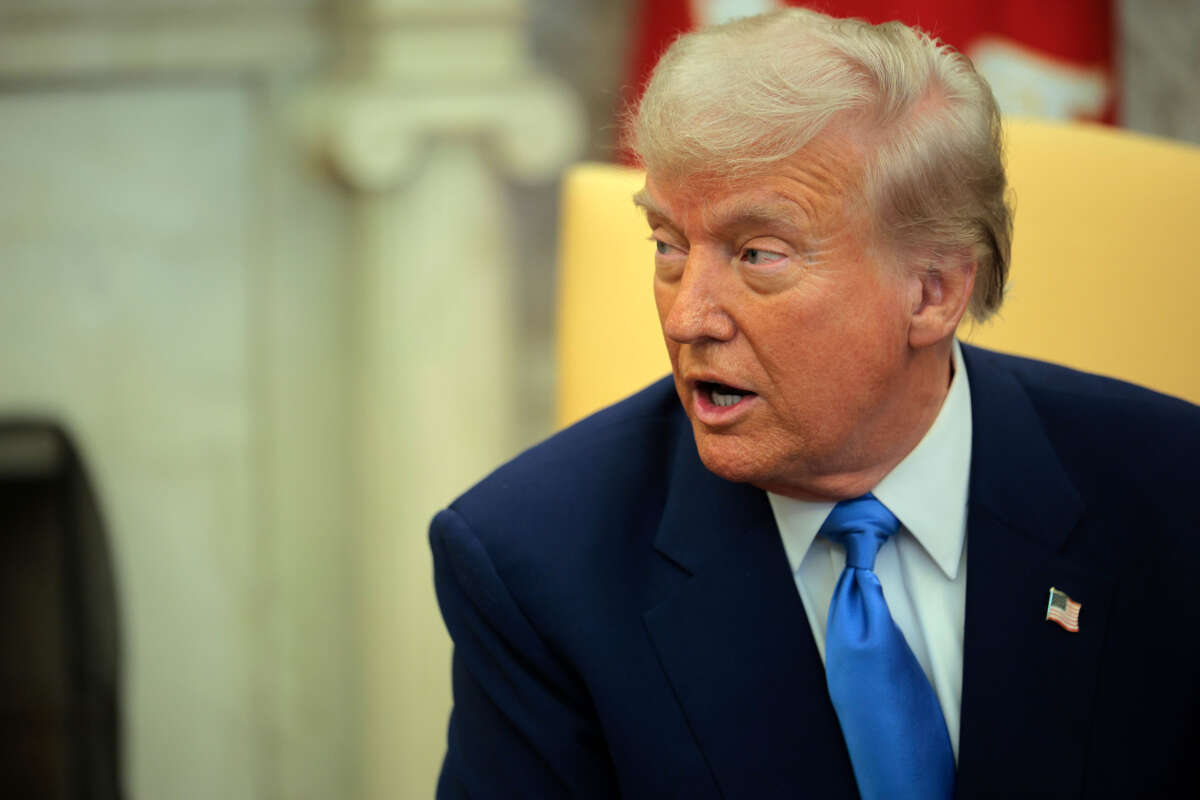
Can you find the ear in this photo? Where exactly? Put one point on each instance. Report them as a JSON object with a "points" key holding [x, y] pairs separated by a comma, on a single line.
{"points": [[940, 294]]}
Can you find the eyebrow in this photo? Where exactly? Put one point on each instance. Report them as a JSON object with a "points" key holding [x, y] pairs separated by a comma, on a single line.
{"points": [[753, 213], [746, 213], [642, 199]]}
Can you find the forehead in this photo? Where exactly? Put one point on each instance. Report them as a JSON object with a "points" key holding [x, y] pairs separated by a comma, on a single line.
{"points": [[677, 204], [813, 185]]}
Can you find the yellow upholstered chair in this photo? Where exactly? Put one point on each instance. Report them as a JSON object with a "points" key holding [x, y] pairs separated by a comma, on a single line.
{"points": [[1105, 267]]}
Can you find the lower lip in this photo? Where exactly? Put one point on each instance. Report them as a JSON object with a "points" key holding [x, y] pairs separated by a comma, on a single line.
{"points": [[714, 415]]}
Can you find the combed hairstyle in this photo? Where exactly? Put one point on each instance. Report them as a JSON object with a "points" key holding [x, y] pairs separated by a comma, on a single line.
{"points": [[732, 100]]}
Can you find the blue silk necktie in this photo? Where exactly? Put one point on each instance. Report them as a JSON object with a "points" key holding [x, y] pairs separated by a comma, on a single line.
{"points": [[890, 717]]}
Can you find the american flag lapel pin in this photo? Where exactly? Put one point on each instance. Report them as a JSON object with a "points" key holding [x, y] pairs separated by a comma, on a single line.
{"points": [[1063, 610]]}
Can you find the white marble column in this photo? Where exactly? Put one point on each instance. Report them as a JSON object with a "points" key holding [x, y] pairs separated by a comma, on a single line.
{"points": [[437, 109]]}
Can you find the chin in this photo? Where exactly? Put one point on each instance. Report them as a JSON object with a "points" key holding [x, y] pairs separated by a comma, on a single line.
{"points": [[731, 459]]}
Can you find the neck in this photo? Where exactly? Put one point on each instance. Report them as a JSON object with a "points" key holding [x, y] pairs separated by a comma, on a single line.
{"points": [[920, 396]]}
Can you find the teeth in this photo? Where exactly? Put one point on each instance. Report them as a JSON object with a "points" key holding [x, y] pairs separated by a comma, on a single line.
{"points": [[721, 399]]}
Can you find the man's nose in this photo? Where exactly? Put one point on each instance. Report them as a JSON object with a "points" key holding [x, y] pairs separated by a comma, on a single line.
{"points": [[697, 305]]}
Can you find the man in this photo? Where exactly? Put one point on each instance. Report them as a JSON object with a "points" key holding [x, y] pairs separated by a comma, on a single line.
{"points": [[673, 599]]}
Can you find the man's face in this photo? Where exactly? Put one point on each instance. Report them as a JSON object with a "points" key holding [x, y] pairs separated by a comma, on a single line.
{"points": [[788, 335]]}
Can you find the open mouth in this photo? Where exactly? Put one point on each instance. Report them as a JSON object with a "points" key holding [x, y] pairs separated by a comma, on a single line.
{"points": [[723, 395]]}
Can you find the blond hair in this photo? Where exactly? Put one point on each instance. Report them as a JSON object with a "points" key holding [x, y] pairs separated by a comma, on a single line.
{"points": [[733, 100]]}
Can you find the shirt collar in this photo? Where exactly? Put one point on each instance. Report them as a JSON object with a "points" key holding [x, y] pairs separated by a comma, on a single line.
{"points": [[927, 491]]}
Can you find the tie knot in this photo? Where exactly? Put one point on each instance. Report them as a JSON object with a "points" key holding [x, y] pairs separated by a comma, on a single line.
{"points": [[861, 526]]}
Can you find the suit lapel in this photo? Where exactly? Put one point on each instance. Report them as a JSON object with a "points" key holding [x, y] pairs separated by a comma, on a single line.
{"points": [[736, 646], [1027, 683]]}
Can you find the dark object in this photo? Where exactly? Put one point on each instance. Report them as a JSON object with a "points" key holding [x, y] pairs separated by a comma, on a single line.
{"points": [[59, 648]]}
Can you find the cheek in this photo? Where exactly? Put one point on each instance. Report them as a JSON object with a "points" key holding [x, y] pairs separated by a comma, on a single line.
{"points": [[823, 355], [663, 295]]}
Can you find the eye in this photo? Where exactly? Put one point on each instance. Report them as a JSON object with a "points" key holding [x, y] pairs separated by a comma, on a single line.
{"points": [[668, 260], [757, 257], [662, 248]]}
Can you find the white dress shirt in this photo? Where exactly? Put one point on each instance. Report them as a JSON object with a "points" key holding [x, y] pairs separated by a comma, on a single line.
{"points": [[923, 567]]}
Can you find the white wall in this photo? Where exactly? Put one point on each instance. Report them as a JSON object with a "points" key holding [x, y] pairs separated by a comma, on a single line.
{"points": [[171, 288], [124, 235], [273, 293]]}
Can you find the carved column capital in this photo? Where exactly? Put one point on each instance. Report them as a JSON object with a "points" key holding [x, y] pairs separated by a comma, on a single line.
{"points": [[377, 134], [416, 73]]}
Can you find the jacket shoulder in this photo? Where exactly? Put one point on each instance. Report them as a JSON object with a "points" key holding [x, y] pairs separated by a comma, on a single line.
{"points": [[1118, 432], [1052, 385], [606, 471]]}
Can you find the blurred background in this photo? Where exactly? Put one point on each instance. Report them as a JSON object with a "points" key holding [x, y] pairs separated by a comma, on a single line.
{"points": [[276, 283]]}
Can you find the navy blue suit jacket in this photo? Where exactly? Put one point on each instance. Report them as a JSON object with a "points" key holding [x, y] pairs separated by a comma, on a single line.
{"points": [[626, 623]]}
